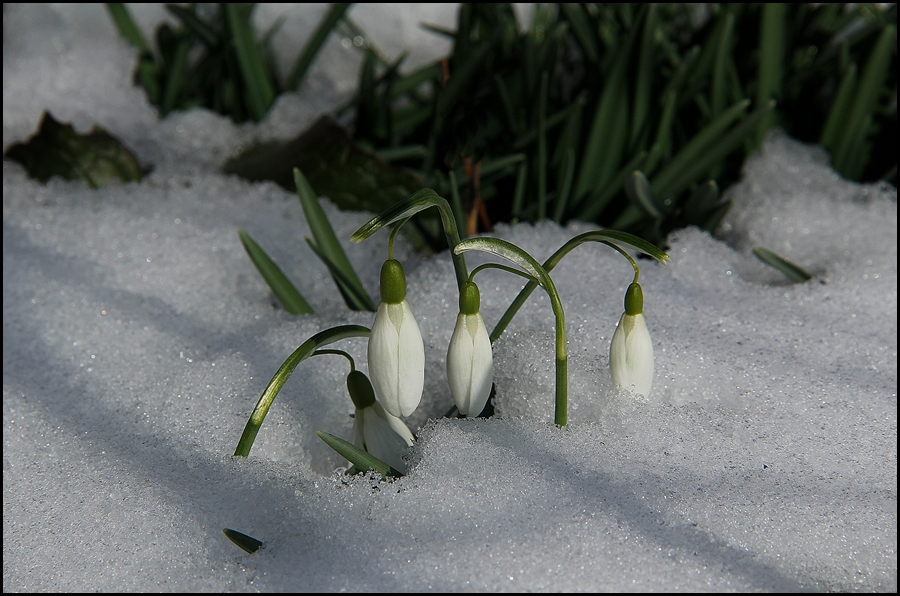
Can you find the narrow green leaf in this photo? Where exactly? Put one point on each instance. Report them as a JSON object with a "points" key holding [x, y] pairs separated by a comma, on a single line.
{"points": [[506, 250], [837, 115], [409, 83], [209, 36], [258, 86], [606, 141], [794, 272], [492, 165], [725, 145], [581, 27], [281, 286], [637, 187], [326, 240], [772, 39], [531, 135], [663, 140], [128, 29], [542, 149], [719, 76], [323, 338], [644, 77], [692, 151], [390, 154], [515, 124], [352, 298], [519, 194], [871, 83], [177, 78], [418, 201], [567, 172], [676, 82], [359, 458], [314, 44], [247, 543], [593, 206], [456, 205]]}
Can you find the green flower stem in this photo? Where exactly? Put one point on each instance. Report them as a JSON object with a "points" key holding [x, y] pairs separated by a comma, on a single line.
{"points": [[504, 268], [306, 350], [608, 237], [513, 253], [337, 353], [418, 201]]}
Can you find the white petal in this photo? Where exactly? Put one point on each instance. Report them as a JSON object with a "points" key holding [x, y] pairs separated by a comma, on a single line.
{"points": [[631, 355], [470, 364], [395, 423], [411, 371], [358, 437], [383, 358], [382, 440]]}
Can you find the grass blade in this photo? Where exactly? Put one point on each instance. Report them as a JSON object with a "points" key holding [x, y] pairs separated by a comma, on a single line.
{"points": [[772, 37], [581, 27], [719, 76], [315, 43], [694, 149], [722, 148], [604, 146], [837, 115], [283, 289], [189, 19], [637, 187], [246, 543], [567, 171], [644, 78], [359, 458], [870, 85], [593, 206], [259, 89], [542, 150], [326, 240], [126, 26], [794, 272], [352, 298]]}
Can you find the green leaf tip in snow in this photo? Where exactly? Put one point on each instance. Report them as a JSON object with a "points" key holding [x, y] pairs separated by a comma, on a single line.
{"points": [[247, 543]]}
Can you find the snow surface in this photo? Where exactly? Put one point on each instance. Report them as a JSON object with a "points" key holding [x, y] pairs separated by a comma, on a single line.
{"points": [[137, 336]]}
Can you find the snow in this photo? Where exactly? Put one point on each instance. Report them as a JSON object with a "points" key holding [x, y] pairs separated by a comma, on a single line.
{"points": [[137, 337]]}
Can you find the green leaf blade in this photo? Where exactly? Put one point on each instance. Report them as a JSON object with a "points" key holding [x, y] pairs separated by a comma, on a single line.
{"points": [[284, 290], [794, 272], [328, 244], [359, 458]]}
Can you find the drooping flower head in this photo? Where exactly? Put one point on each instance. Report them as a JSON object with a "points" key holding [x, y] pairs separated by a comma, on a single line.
{"points": [[470, 360], [631, 350], [375, 430], [396, 352]]}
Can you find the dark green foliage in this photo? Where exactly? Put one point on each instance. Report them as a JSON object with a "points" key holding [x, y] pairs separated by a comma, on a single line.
{"points": [[214, 60], [555, 121], [629, 116], [56, 149]]}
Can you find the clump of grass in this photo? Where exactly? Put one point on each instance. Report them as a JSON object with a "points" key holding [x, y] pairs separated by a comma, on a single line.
{"points": [[628, 115], [213, 59]]}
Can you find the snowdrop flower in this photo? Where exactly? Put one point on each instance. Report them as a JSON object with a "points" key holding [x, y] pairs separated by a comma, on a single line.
{"points": [[631, 351], [470, 361], [396, 353], [375, 430]]}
